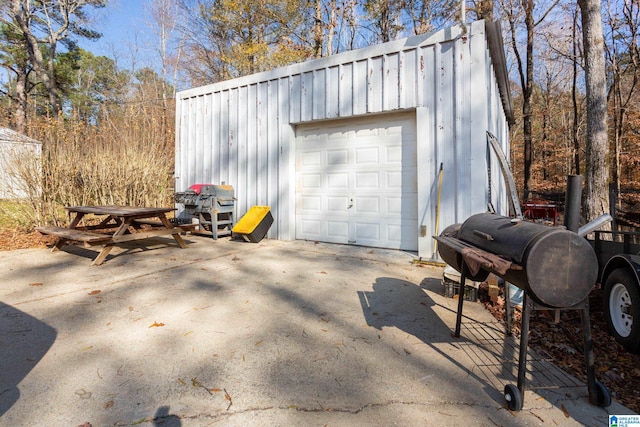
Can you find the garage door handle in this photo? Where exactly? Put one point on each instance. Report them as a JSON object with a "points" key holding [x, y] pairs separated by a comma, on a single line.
{"points": [[350, 204]]}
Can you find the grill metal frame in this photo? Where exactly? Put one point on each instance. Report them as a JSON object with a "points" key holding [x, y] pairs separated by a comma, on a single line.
{"points": [[529, 256], [212, 207]]}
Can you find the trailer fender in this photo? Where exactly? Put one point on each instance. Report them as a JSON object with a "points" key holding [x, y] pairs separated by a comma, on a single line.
{"points": [[631, 263], [621, 300]]}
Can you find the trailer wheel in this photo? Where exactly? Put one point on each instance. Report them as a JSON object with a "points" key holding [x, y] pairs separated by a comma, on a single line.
{"points": [[621, 307]]}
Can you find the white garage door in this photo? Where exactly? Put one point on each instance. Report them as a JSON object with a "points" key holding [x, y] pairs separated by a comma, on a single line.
{"points": [[356, 182]]}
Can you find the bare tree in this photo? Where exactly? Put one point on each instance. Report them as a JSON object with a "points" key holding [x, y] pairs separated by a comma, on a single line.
{"points": [[623, 60], [597, 170], [515, 11]]}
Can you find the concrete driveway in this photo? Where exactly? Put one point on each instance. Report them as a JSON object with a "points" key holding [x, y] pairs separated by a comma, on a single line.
{"points": [[274, 334]]}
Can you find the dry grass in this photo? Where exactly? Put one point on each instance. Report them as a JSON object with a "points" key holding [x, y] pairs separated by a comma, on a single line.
{"points": [[125, 159]]}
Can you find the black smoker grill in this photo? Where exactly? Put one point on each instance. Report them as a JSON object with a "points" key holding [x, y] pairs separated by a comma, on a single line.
{"points": [[555, 268], [212, 207]]}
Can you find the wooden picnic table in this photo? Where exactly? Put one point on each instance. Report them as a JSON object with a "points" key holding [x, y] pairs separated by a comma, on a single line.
{"points": [[121, 224]]}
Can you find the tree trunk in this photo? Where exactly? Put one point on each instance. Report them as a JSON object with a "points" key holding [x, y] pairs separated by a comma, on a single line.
{"points": [[597, 170], [574, 98], [42, 68], [317, 37], [21, 102], [527, 94]]}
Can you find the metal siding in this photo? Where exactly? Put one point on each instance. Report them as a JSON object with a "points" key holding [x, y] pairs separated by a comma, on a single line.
{"points": [[407, 80], [191, 159], [250, 193], [391, 82], [295, 97], [474, 120], [346, 89], [319, 94], [360, 96], [375, 88], [262, 155], [283, 192], [306, 94], [332, 91], [241, 131], [273, 151], [223, 121], [446, 149], [242, 138]]}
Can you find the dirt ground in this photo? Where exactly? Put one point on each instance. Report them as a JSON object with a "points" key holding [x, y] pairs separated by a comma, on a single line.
{"points": [[562, 342]]}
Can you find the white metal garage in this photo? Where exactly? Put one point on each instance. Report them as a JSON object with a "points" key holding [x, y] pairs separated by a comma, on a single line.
{"points": [[356, 182], [347, 148]]}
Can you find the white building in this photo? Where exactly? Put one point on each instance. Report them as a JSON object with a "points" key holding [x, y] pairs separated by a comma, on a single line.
{"points": [[20, 165], [347, 148]]}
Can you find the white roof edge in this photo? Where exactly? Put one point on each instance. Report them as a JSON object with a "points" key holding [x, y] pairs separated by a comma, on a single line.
{"points": [[10, 135], [408, 43]]}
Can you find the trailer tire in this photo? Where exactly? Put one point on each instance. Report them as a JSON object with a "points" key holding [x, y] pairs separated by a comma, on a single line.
{"points": [[621, 307]]}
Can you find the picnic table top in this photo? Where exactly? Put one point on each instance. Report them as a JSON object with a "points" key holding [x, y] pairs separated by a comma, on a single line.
{"points": [[119, 210]]}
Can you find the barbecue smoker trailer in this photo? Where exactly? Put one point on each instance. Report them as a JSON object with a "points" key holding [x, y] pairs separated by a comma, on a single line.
{"points": [[555, 268]]}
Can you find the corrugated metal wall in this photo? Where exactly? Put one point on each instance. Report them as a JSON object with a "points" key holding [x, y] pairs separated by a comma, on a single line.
{"points": [[242, 131]]}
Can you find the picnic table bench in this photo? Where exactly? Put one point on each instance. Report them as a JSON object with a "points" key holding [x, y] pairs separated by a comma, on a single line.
{"points": [[121, 224]]}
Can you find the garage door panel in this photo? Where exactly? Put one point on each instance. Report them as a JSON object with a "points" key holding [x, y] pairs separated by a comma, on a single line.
{"points": [[311, 158], [338, 157], [337, 204], [367, 180], [369, 155], [310, 227], [337, 181], [361, 173], [367, 232], [309, 181], [338, 231], [310, 204], [367, 205]]}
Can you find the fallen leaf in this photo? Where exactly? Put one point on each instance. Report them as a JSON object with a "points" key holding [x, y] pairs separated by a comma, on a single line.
{"points": [[259, 342], [109, 404], [156, 324], [235, 258], [87, 348], [96, 292], [323, 272], [36, 284], [186, 333], [226, 396], [195, 382], [130, 308], [215, 390], [564, 411], [182, 381]]}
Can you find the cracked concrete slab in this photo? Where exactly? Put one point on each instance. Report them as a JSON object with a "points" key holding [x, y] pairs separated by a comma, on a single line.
{"points": [[236, 334]]}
